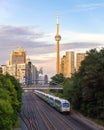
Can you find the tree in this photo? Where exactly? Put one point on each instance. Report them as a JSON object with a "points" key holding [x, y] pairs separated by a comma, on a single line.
{"points": [[57, 79], [18, 89], [9, 101], [6, 111], [91, 84]]}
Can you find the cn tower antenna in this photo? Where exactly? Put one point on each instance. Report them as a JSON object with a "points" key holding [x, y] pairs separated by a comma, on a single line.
{"points": [[57, 19]]}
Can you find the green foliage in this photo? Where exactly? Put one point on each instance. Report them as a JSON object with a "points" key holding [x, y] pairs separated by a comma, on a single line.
{"points": [[86, 87], [72, 92], [6, 111], [92, 84], [57, 79], [66, 90], [10, 101], [18, 89]]}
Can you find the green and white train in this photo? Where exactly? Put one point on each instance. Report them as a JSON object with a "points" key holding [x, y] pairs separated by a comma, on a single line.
{"points": [[62, 105]]}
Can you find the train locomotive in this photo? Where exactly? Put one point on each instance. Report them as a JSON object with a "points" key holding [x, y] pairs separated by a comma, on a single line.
{"points": [[60, 104]]}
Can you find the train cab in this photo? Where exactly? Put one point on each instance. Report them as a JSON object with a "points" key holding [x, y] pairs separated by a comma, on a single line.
{"points": [[62, 105]]}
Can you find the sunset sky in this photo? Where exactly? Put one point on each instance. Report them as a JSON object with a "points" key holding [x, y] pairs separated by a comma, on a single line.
{"points": [[31, 25]]}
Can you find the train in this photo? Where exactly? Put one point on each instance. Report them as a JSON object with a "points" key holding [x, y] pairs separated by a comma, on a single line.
{"points": [[60, 104]]}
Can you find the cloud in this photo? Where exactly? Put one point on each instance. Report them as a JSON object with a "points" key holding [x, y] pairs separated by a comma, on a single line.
{"points": [[90, 6], [41, 46], [41, 42], [85, 7], [82, 37], [42, 57], [19, 31], [19, 36], [79, 45]]}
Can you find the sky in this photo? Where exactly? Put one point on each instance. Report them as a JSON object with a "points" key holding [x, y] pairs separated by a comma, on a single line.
{"points": [[31, 25]]}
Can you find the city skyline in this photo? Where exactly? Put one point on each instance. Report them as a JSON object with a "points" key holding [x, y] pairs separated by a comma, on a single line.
{"points": [[31, 25]]}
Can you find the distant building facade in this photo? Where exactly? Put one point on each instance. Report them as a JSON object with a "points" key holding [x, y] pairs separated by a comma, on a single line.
{"points": [[63, 65], [46, 79], [79, 58], [67, 64], [20, 67], [18, 57], [35, 74]]}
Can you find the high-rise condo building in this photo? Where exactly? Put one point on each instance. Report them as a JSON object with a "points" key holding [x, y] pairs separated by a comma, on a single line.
{"points": [[79, 58], [63, 65], [67, 64], [18, 57], [21, 68]]}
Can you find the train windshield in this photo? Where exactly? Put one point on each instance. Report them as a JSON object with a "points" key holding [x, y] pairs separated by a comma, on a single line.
{"points": [[65, 104]]}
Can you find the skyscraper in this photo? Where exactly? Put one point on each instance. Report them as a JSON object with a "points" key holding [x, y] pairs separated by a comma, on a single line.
{"points": [[70, 63], [67, 64], [57, 38], [20, 67], [79, 58], [63, 65], [17, 64], [18, 57]]}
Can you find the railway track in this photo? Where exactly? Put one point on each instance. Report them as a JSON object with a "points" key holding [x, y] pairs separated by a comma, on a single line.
{"points": [[38, 115], [47, 109], [28, 116], [48, 122], [69, 121]]}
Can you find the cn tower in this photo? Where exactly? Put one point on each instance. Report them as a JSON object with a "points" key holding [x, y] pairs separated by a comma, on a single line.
{"points": [[57, 38]]}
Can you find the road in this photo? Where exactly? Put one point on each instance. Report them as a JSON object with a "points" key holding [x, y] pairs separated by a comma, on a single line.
{"points": [[38, 115]]}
